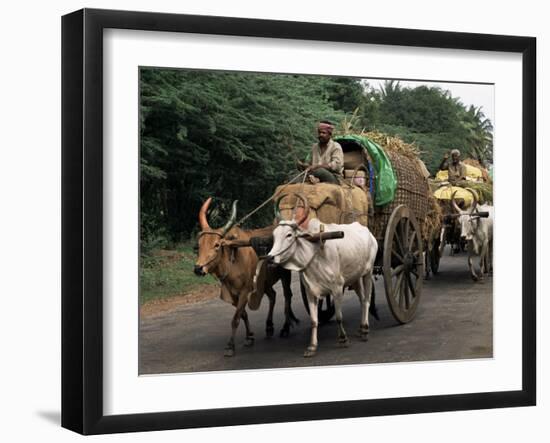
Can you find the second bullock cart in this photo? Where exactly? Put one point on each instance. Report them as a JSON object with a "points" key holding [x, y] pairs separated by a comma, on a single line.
{"points": [[476, 188], [388, 192]]}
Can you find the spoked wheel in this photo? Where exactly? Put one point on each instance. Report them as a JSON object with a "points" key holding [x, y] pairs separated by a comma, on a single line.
{"points": [[403, 264], [325, 308]]}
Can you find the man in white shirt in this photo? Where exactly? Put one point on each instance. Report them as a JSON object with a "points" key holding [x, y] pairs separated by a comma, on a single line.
{"points": [[327, 157]]}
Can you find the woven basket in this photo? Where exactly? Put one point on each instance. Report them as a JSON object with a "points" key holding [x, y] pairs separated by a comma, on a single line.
{"points": [[412, 190]]}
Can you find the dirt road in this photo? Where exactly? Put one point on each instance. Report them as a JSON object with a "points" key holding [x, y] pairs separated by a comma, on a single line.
{"points": [[454, 321]]}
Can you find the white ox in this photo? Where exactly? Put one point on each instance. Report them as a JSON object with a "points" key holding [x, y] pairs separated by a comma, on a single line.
{"points": [[476, 227], [327, 268]]}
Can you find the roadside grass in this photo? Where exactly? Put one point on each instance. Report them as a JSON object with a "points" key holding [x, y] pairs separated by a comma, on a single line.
{"points": [[166, 273]]}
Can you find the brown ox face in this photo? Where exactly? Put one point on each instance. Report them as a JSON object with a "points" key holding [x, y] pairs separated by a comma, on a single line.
{"points": [[211, 240], [210, 251]]}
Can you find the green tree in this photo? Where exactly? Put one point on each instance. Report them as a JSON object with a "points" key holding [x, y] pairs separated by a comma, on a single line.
{"points": [[346, 94], [237, 135], [226, 135], [434, 120], [479, 134]]}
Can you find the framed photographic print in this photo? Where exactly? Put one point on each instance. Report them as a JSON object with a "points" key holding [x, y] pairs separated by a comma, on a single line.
{"points": [[229, 184]]}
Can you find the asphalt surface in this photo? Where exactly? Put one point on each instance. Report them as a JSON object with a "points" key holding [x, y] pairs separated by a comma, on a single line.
{"points": [[454, 321]]}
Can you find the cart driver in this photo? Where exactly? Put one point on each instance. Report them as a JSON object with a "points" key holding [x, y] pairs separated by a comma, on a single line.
{"points": [[327, 157], [457, 169]]}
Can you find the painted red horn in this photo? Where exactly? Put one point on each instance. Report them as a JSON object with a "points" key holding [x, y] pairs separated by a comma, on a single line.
{"points": [[203, 221]]}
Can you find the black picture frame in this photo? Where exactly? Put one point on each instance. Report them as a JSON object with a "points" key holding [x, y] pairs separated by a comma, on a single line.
{"points": [[82, 218]]}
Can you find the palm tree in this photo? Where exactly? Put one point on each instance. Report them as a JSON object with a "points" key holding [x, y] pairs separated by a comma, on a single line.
{"points": [[479, 138], [390, 89]]}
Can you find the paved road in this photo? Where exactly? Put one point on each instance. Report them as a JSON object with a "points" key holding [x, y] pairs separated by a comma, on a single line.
{"points": [[454, 321]]}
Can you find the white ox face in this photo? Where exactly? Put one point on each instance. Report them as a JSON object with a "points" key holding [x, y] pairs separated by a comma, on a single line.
{"points": [[468, 226], [471, 223], [284, 242]]}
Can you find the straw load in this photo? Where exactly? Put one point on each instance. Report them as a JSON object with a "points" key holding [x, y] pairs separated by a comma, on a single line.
{"points": [[442, 189], [477, 178], [432, 223], [428, 210], [484, 190], [476, 164], [412, 186], [396, 145]]}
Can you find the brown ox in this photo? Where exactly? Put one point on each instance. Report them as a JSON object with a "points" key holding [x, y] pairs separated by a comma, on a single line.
{"points": [[235, 268]]}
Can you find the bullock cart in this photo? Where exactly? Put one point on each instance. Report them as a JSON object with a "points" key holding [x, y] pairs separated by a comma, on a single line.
{"points": [[464, 193], [388, 192]]}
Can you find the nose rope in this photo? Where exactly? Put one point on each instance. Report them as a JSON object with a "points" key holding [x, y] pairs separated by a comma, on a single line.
{"points": [[287, 248], [284, 250], [217, 252], [211, 260]]}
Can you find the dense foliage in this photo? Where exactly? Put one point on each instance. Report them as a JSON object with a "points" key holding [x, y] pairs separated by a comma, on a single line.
{"points": [[431, 118], [237, 136]]}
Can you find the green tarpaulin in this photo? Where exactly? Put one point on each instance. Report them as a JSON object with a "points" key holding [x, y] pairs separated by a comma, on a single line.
{"points": [[386, 180]]}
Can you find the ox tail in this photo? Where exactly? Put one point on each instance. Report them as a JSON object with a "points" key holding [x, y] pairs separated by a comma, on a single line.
{"points": [[372, 308]]}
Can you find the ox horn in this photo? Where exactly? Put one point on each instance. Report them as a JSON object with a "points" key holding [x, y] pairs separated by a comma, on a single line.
{"points": [[232, 218], [303, 218], [474, 195], [203, 222], [277, 209], [457, 209]]}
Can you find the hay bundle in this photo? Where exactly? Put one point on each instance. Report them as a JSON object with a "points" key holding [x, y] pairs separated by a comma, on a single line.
{"points": [[393, 144], [477, 164], [396, 145], [472, 162], [484, 190], [388, 142], [432, 223]]}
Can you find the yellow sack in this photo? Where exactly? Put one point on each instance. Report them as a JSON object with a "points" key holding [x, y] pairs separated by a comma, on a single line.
{"points": [[472, 173], [446, 192]]}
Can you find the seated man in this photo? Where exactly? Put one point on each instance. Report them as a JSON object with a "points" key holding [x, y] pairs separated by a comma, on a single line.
{"points": [[457, 169], [327, 157]]}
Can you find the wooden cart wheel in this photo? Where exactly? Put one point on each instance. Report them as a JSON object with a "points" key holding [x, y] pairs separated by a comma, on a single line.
{"points": [[325, 308], [403, 264], [435, 256]]}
